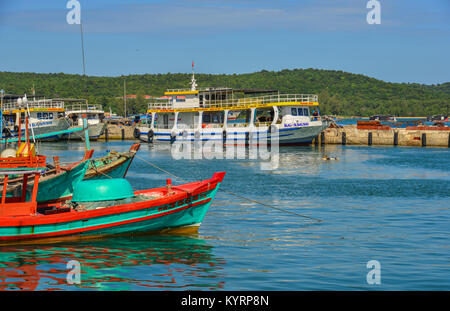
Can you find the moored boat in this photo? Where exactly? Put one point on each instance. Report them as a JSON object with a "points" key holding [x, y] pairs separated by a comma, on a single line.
{"points": [[231, 116], [107, 207], [46, 118], [95, 116], [55, 183], [113, 165]]}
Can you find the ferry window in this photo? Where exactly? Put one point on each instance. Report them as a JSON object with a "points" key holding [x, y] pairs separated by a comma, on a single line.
{"points": [[39, 115], [45, 115], [300, 111], [306, 111], [50, 115], [294, 111], [206, 118]]}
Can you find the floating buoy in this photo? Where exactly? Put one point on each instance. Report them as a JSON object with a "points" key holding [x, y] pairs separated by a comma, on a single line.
{"points": [[327, 158]]}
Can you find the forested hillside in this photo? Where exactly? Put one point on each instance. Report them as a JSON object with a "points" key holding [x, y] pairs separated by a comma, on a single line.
{"points": [[340, 93]]}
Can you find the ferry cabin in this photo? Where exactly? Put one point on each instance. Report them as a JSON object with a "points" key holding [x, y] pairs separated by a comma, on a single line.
{"points": [[219, 113], [43, 113]]}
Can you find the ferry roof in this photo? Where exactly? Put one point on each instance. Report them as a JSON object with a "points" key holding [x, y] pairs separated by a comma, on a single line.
{"points": [[266, 101], [217, 89]]}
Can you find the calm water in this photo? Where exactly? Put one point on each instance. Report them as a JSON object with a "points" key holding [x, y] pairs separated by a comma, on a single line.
{"points": [[377, 203]]}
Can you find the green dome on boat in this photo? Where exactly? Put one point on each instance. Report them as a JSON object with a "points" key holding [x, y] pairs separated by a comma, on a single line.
{"points": [[102, 190]]}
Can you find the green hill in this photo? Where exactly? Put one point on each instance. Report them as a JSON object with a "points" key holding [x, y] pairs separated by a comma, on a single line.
{"points": [[339, 92]]}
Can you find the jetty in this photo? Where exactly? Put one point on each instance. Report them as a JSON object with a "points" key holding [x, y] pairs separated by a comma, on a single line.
{"points": [[379, 134]]}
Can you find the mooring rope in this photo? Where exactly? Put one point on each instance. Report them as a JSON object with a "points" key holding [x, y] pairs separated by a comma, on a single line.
{"points": [[232, 193]]}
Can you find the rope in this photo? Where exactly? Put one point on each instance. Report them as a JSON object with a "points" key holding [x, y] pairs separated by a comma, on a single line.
{"points": [[233, 194]]}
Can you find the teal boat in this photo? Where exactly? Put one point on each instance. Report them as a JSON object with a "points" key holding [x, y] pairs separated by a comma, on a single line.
{"points": [[56, 183], [113, 165], [110, 207]]}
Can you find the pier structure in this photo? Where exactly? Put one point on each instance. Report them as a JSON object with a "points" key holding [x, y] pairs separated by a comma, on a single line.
{"points": [[410, 136]]}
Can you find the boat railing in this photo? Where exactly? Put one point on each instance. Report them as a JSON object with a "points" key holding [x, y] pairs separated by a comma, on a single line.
{"points": [[84, 108], [202, 89], [41, 103], [246, 102]]}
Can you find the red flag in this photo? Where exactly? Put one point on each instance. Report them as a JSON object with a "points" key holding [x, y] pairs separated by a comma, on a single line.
{"points": [[192, 64]]}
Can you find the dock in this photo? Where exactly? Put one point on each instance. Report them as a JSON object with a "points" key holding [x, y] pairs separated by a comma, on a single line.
{"points": [[117, 132], [420, 136]]}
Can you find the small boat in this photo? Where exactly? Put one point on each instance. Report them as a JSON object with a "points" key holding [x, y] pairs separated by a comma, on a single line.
{"points": [[438, 117], [383, 118], [55, 181], [95, 116], [108, 207], [113, 165]]}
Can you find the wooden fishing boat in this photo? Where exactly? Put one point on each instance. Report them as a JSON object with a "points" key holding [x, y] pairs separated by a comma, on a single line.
{"points": [[54, 183], [108, 207], [113, 165]]}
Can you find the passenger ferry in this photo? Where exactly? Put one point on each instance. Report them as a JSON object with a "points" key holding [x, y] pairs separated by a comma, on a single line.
{"points": [[95, 116], [46, 117], [231, 116]]}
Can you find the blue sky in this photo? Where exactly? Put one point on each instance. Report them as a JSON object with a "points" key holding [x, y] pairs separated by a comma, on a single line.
{"points": [[412, 43]]}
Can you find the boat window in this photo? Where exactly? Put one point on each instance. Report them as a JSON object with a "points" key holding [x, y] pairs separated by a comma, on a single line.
{"points": [[39, 115], [206, 118], [300, 111], [306, 111], [50, 115], [294, 111], [45, 115]]}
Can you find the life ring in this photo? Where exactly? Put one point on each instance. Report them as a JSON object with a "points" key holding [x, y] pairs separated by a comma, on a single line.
{"points": [[136, 133]]}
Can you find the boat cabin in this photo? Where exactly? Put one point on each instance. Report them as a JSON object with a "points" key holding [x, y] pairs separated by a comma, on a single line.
{"points": [[43, 112], [94, 113], [220, 107]]}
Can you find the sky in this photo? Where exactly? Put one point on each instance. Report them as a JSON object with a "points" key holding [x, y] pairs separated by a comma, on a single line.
{"points": [[411, 44]]}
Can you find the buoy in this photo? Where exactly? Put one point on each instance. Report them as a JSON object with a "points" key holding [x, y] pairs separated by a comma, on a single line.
{"points": [[327, 158]]}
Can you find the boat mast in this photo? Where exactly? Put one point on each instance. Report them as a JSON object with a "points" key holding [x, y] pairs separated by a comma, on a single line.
{"points": [[125, 97], [193, 82]]}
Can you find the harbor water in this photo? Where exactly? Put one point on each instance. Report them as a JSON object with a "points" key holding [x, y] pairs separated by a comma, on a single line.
{"points": [[389, 204]]}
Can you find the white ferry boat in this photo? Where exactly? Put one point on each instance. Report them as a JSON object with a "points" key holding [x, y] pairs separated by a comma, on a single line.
{"points": [[234, 115], [46, 117], [94, 115]]}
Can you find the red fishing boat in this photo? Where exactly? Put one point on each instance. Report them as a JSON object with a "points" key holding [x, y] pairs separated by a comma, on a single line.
{"points": [[107, 207]]}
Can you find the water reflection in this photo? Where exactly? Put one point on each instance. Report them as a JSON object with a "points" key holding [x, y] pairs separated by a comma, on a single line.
{"points": [[125, 263]]}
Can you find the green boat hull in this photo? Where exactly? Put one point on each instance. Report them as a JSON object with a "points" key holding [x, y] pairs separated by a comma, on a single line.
{"points": [[117, 172], [57, 187]]}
